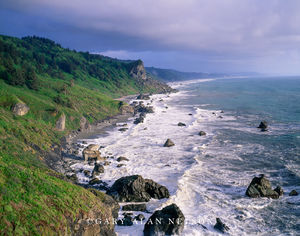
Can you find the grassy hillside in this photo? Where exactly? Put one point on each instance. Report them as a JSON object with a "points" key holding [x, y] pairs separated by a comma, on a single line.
{"points": [[51, 80]]}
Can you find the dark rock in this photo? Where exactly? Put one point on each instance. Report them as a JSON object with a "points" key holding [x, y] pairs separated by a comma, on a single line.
{"points": [[144, 109], [181, 124], [134, 207], [127, 214], [279, 190], [87, 173], [122, 159], [143, 97], [202, 133], [123, 129], [169, 143], [95, 181], [156, 190], [293, 193], [98, 169], [261, 187], [222, 112], [190, 114], [138, 120], [263, 126], [84, 142], [136, 189], [120, 165], [73, 177], [106, 163], [76, 152], [221, 226], [139, 217], [220, 117], [168, 221]]}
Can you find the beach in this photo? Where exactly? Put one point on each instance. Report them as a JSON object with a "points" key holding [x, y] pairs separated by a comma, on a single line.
{"points": [[207, 176]]}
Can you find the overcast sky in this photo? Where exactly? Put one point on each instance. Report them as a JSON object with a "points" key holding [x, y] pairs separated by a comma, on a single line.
{"points": [[188, 35]]}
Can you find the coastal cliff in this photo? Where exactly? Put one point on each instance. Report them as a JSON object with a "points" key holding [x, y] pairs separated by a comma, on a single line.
{"points": [[60, 91]]}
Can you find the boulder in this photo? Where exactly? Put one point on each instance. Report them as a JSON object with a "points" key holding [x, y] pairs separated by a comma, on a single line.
{"points": [[120, 165], [91, 152], [84, 124], [279, 190], [221, 226], [72, 177], [126, 109], [122, 159], [95, 181], [261, 187], [202, 133], [293, 193], [98, 169], [87, 173], [134, 207], [20, 109], [143, 97], [263, 126], [123, 129], [137, 189], [139, 120], [181, 124], [169, 143], [168, 221], [61, 123], [106, 163]]}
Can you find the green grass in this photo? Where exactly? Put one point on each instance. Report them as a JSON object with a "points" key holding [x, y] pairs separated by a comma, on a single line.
{"points": [[35, 200]]}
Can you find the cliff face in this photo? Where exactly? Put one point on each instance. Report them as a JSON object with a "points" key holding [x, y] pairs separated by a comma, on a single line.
{"points": [[138, 71], [146, 81]]}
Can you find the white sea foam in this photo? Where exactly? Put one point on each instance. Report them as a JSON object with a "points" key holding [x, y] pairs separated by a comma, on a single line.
{"points": [[196, 170]]}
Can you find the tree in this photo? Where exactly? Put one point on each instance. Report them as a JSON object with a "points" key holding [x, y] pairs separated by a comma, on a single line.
{"points": [[31, 80]]}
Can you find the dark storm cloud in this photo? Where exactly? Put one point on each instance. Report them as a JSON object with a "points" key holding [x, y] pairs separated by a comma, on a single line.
{"points": [[201, 34]]}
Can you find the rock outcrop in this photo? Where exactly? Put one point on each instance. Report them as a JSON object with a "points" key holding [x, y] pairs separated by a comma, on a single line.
{"points": [[20, 109], [143, 97], [84, 124], [263, 126], [136, 189], [221, 226], [261, 187], [122, 159], [168, 221], [98, 169], [91, 152], [138, 71], [61, 123], [134, 207], [293, 193], [126, 109], [89, 223], [181, 124], [169, 143]]}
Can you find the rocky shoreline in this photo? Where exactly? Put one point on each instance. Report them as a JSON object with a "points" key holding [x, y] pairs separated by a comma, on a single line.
{"points": [[133, 192]]}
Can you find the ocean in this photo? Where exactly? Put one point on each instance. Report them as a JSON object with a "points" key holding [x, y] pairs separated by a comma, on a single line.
{"points": [[207, 176]]}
